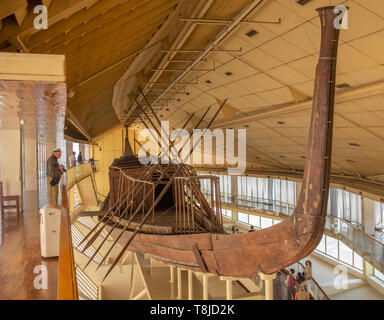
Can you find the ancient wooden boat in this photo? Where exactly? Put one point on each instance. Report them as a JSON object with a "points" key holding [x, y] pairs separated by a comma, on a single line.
{"points": [[159, 210]]}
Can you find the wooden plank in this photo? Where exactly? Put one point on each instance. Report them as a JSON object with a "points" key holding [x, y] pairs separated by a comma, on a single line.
{"points": [[20, 15], [199, 258], [8, 7], [67, 283]]}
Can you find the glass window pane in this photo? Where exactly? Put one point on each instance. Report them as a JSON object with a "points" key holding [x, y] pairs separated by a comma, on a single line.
{"points": [[332, 247], [345, 253], [265, 222], [242, 217], [276, 222], [358, 261], [321, 246], [254, 220], [379, 275], [227, 213]]}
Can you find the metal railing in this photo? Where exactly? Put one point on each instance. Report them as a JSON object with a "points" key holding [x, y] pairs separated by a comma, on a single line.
{"points": [[88, 290], [78, 173], [255, 204], [369, 248], [314, 288]]}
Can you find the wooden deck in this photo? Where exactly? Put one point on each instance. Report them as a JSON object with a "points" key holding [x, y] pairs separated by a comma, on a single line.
{"points": [[20, 255]]}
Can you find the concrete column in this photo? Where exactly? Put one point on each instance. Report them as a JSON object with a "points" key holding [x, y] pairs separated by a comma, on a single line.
{"points": [[298, 189], [368, 269], [30, 161], [268, 281], [179, 285], [234, 186], [86, 152], [368, 215], [229, 286], [69, 150], [172, 273], [10, 157], [190, 285], [82, 150], [205, 287], [229, 289]]}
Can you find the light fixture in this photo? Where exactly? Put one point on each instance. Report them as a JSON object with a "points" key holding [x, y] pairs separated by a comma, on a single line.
{"points": [[303, 2], [354, 145], [251, 33], [343, 85], [22, 122]]}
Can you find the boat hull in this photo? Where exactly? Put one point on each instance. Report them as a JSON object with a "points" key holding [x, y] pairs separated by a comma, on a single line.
{"points": [[240, 255]]}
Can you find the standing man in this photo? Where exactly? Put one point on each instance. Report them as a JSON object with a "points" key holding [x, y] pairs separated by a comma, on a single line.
{"points": [[72, 160], [80, 158], [54, 172]]}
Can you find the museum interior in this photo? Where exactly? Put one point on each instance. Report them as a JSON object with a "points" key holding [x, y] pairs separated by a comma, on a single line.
{"points": [[192, 150]]}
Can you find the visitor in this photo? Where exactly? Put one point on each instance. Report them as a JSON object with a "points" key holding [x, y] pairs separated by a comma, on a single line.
{"points": [[92, 161], [290, 282], [300, 279], [80, 158], [233, 231], [237, 231], [252, 229], [72, 160], [307, 272], [302, 294], [54, 173]]}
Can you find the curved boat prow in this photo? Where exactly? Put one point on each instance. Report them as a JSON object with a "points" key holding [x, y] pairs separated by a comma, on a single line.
{"points": [[295, 238]]}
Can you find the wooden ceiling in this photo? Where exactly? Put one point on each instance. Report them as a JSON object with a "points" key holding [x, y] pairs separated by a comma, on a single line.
{"points": [[96, 37]]}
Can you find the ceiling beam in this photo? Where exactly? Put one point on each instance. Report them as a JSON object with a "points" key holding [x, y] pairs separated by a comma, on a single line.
{"points": [[58, 10], [9, 7], [345, 96], [72, 119]]}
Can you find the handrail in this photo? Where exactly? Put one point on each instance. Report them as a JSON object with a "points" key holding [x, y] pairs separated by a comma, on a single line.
{"points": [[236, 197], [315, 282], [359, 229], [87, 287], [67, 281], [78, 173], [369, 248]]}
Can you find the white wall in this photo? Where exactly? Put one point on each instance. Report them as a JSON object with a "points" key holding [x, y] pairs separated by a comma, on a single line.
{"points": [[10, 161]]}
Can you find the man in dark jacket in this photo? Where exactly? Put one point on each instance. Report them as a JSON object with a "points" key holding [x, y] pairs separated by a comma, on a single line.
{"points": [[80, 158], [54, 172]]}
